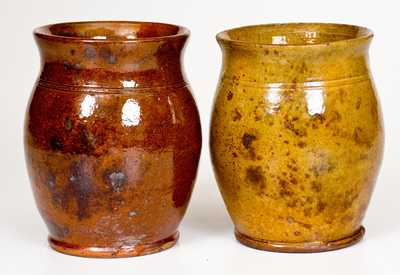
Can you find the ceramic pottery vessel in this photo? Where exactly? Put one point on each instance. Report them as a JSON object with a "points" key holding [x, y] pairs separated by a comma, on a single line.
{"points": [[296, 134], [112, 137]]}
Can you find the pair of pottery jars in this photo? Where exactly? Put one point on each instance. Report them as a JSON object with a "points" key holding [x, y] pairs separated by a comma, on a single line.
{"points": [[113, 137]]}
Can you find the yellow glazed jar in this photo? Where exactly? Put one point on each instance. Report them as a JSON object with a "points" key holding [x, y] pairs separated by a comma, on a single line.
{"points": [[296, 134]]}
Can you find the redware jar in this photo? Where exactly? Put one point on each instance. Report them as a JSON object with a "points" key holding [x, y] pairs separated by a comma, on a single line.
{"points": [[112, 137], [296, 134]]}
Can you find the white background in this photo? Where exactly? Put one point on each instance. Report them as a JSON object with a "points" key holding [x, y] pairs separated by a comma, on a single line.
{"points": [[207, 245]]}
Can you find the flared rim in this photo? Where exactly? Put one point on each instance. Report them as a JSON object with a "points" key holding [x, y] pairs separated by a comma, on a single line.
{"points": [[70, 31], [350, 33]]}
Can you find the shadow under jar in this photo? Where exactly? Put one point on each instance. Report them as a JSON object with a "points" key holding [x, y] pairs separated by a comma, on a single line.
{"points": [[112, 137], [296, 134]]}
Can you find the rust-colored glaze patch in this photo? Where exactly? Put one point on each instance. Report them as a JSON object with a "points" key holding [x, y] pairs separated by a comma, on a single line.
{"points": [[112, 137]]}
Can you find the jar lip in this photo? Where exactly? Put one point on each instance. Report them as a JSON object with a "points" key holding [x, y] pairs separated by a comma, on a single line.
{"points": [[349, 33], [111, 31]]}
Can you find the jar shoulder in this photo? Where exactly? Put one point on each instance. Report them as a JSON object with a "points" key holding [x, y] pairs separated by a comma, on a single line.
{"points": [[58, 119]]}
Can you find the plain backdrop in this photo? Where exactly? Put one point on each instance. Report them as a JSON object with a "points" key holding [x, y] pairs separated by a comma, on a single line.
{"points": [[207, 245]]}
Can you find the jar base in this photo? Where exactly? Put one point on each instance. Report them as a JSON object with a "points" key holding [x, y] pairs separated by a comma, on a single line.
{"points": [[307, 247], [113, 252]]}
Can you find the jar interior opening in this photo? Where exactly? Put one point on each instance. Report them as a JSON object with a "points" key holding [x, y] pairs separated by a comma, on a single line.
{"points": [[111, 30], [294, 34]]}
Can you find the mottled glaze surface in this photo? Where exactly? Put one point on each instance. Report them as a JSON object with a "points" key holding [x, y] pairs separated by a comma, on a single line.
{"points": [[112, 137], [296, 134]]}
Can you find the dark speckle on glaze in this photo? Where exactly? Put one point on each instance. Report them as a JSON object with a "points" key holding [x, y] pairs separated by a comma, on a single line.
{"points": [[57, 230], [316, 186], [247, 140], [69, 66], [56, 144], [255, 176], [236, 115], [108, 55], [229, 96], [302, 144], [90, 52], [88, 140], [80, 188]]}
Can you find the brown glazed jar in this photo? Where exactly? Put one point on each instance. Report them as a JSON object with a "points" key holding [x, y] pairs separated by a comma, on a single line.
{"points": [[296, 134], [112, 137]]}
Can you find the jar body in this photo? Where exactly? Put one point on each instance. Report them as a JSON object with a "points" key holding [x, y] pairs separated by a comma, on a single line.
{"points": [[112, 168], [296, 160]]}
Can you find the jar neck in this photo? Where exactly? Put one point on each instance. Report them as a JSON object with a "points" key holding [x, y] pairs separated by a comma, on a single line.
{"points": [[295, 64], [106, 64]]}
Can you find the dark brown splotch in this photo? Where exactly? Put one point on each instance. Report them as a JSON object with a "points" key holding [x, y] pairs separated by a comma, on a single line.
{"points": [[360, 137], [342, 95], [247, 140], [333, 118], [236, 115], [255, 176], [79, 188], [292, 220], [316, 186], [229, 96], [57, 230], [292, 167], [70, 66], [302, 144], [348, 199], [108, 55], [303, 67], [358, 103], [321, 206], [88, 140], [307, 211], [293, 180], [289, 124], [292, 203], [317, 119], [56, 144], [285, 189], [346, 219], [90, 52], [297, 233]]}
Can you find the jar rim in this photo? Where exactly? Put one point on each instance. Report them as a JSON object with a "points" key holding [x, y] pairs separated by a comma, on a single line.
{"points": [[262, 35], [111, 31]]}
